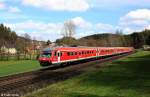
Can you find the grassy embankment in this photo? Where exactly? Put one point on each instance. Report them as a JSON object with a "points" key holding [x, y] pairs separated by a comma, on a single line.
{"points": [[126, 77], [14, 67]]}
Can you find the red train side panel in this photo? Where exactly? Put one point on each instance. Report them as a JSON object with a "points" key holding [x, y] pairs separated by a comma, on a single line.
{"points": [[69, 54]]}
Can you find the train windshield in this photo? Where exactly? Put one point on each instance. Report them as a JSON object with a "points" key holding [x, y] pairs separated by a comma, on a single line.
{"points": [[46, 54]]}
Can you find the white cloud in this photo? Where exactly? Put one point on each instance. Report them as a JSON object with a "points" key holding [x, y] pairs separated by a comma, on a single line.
{"points": [[80, 22], [10, 9], [86, 25], [2, 5], [105, 27], [148, 27], [139, 14], [14, 9], [45, 31], [59, 5], [89, 28], [31, 25], [136, 20], [40, 30], [115, 4]]}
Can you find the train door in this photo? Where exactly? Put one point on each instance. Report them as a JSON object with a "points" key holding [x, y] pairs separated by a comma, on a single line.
{"points": [[58, 54], [97, 52]]}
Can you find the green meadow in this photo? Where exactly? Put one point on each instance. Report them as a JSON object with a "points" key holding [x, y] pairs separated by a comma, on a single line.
{"points": [[15, 67], [126, 77]]}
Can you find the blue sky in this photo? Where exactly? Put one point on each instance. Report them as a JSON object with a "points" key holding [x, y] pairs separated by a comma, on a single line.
{"points": [[43, 19]]}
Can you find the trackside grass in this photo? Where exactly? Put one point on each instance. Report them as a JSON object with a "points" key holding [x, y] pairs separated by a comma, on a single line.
{"points": [[14, 67], [126, 77]]}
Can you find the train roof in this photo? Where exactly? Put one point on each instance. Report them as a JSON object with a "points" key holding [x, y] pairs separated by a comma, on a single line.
{"points": [[78, 48]]}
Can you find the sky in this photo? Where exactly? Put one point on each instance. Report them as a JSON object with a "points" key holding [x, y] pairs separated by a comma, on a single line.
{"points": [[44, 19]]}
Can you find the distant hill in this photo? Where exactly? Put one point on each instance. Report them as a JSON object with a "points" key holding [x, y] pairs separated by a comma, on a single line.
{"points": [[136, 39], [97, 36], [10, 39], [103, 40]]}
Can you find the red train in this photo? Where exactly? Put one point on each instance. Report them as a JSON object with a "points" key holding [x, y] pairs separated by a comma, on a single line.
{"points": [[58, 55]]}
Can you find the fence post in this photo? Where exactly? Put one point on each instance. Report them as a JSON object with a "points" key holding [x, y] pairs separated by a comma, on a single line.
{"points": [[7, 56], [30, 56], [18, 56], [1, 57]]}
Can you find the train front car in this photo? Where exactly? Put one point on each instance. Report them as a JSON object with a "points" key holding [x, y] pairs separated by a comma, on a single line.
{"points": [[45, 58]]}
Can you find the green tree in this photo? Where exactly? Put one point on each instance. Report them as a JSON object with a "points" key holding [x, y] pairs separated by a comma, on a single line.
{"points": [[48, 42]]}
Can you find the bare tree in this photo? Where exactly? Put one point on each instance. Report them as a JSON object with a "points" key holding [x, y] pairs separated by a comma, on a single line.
{"points": [[122, 42], [27, 39], [68, 29], [110, 40]]}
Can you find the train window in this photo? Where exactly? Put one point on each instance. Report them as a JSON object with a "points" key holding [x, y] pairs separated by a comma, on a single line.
{"points": [[75, 53], [79, 53], [82, 52], [58, 54], [71, 53], [61, 54], [55, 53], [68, 53]]}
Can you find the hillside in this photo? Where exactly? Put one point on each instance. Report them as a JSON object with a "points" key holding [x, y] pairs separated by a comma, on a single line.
{"points": [[136, 39]]}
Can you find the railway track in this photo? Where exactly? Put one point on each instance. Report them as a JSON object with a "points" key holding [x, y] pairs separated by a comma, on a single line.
{"points": [[21, 84]]}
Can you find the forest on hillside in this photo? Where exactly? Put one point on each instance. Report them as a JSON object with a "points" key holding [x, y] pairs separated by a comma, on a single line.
{"points": [[10, 39], [136, 40]]}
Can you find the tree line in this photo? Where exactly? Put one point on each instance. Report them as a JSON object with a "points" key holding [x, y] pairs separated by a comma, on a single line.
{"points": [[22, 44], [9, 39], [7, 36], [136, 40]]}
